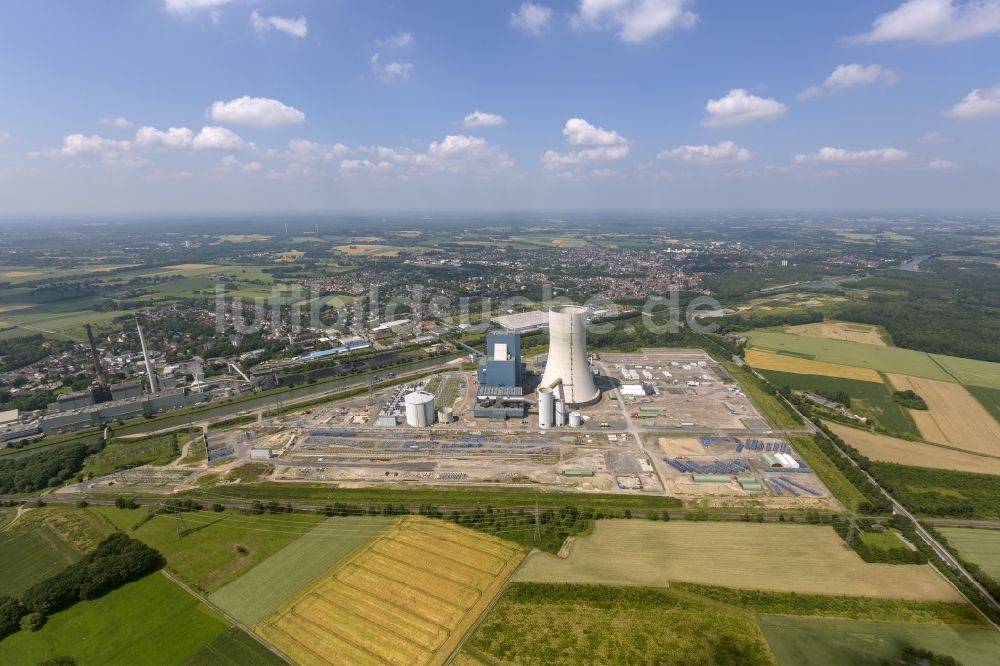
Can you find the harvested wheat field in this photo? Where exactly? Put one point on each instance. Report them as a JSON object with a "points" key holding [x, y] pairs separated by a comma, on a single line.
{"points": [[368, 250], [408, 598], [839, 330], [883, 448], [766, 360], [762, 556], [953, 417]]}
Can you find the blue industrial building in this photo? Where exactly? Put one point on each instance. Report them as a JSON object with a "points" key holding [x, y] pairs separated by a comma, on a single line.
{"points": [[501, 374]]}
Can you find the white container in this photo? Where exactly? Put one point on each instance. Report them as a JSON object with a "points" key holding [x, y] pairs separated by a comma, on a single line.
{"points": [[560, 413], [576, 420], [546, 408], [419, 409]]}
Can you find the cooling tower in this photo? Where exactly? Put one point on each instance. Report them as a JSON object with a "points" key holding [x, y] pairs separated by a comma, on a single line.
{"points": [[568, 355]]}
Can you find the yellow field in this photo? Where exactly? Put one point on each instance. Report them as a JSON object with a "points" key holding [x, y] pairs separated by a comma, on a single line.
{"points": [[190, 267], [407, 598], [17, 274], [765, 360], [953, 417], [368, 250], [290, 255], [883, 448], [769, 556], [839, 330]]}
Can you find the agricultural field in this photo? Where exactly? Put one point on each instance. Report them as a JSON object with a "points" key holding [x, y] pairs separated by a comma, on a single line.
{"points": [[30, 554], [953, 417], [979, 546], [884, 448], [840, 330], [785, 362], [208, 555], [360, 250], [870, 399], [408, 597], [149, 621], [805, 641], [856, 354], [838, 484], [813, 559], [970, 371], [258, 592], [80, 528], [575, 624], [989, 398], [235, 647]]}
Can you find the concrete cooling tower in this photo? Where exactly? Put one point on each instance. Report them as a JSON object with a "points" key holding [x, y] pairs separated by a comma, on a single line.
{"points": [[568, 356]]}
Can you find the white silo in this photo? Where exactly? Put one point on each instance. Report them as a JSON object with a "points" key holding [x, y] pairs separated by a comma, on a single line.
{"points": [[419, 408], [546, 407], [568, 355], [575, 419], [445, 415], [561, 413]]}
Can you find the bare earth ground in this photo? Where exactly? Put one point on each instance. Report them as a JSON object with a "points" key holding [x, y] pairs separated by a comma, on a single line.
{"points": [[767, 556], [883, 448], [953, 416], [839, 330], [765, 360]]}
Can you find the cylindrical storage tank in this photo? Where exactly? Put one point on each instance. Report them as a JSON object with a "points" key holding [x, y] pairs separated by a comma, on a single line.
{"points": [[419, 409], [546, 408], [560, 413], [567, 359], [444, 415], [575, 419]]}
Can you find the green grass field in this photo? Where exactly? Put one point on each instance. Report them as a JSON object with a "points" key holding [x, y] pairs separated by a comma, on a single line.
{"points": [[870, 399], [988, 398], [123, 453], [255, 594], [536, 623], [979, 546], [29, 554], [832, 478], [772, 408], [883, 359], [803, 641], [207, 556], [151, 621], [235, 647]]}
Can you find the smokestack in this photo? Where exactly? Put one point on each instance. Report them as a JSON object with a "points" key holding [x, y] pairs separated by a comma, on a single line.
{"points": [[101, 377], [568, 355], [145, 355]]}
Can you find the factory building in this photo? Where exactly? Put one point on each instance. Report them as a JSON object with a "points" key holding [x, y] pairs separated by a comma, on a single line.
{"points": [[118, 410], [501, 375]]}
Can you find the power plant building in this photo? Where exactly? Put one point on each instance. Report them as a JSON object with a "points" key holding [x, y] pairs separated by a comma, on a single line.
{"points": [[501, 376]]}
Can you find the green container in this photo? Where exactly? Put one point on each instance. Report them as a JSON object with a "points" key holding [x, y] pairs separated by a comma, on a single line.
{"points": [[771, 460], [753, 487], [578, 472], [711, 478], [747, 479]]}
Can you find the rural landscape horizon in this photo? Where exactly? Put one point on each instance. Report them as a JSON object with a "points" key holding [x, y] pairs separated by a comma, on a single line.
{"points": [[541, 332]]}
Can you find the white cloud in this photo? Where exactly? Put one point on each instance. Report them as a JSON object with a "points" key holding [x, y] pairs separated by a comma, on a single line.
{"points": [[938, 164], [259, 111], [355, 166], [980, 103], [935, 21], [739, 107], [533, 19], [4, 135], [601, 144], [391, 71], [634, 20], [79, 144], [933, 138], [296, 27], [828, 154], [231, 163], [212, 137], [726, 151], [581, 133], [116, 122], [849, 76], [482, 119], [303, 150], [174, 137], [400, 41], [192, 7]]}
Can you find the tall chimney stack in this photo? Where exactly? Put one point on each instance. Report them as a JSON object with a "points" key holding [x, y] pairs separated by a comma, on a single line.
{"points": [[145, 355]]}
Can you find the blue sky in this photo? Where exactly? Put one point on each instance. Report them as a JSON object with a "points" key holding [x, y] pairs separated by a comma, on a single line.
{"points": [[289, 105]]}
